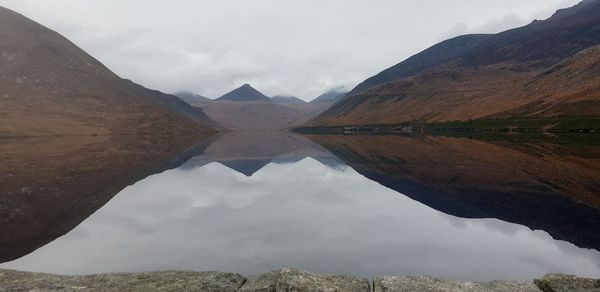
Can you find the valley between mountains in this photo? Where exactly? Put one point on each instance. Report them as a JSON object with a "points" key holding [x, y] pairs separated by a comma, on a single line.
{"points": [[477, 158], [542, 76]]}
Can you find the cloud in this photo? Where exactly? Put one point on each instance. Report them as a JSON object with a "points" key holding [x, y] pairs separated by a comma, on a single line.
{"points": [[287, 47]]}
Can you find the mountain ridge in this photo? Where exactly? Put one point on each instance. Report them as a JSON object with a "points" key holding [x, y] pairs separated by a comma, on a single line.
{"points": [[330, 96], [493, 78], [191, 97], [435, 55]]}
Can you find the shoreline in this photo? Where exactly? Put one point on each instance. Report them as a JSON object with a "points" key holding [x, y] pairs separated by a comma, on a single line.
{"points": [[407, 130], [285, 279], [550, 125]]}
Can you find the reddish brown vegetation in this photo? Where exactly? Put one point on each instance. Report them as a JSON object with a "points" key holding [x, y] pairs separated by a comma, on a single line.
{"points": [[548, 68]]}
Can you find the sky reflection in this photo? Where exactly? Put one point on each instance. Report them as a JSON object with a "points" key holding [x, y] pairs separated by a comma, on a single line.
{"points": [[303, 214]]}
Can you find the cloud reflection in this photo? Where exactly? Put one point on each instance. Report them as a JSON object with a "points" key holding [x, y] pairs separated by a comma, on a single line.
{"points": [[303, 214]]}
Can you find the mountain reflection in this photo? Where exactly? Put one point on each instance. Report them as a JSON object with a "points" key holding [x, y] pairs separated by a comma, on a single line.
{"points": [[50, 185], [248, 152], [545, 184], [250, 202]]}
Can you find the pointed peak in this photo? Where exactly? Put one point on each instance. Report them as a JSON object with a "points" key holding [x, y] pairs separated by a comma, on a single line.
{"points": [[245, 93]]}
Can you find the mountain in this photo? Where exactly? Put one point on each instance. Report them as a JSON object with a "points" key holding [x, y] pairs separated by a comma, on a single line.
{"points": [[175, 103], [436, 55], [245, 108], [307, 110], [192, 98], [49, 86], [253, 115], [542, 43], [543, 75], [302, 111], [287, 100], [330, 96], [243, 94]]}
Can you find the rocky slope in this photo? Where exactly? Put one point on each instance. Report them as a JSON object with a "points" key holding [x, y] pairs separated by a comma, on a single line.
{"points": [[546, 69], [49, 86]]}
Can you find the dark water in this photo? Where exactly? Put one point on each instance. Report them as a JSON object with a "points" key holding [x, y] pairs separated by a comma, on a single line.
{"points": [[253, 202]]}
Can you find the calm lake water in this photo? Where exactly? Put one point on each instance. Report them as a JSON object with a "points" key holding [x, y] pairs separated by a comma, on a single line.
{"points": [[254, 202]]}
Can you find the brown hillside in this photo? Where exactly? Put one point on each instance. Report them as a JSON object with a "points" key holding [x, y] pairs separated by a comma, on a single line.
{"points": [[569, 88], [548, 68], [49, 86]]}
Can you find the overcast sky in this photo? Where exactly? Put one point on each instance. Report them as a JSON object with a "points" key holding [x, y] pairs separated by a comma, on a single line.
{"points": [[289, 47]]}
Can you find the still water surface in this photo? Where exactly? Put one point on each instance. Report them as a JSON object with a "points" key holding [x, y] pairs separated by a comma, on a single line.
{"points": [[250, 205]]}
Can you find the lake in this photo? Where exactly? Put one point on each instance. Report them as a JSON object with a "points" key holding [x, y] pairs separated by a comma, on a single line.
{"points": [[470, 208]]}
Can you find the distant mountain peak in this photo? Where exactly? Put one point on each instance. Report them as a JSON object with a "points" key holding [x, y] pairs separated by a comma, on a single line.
{"points": [[192, 98], [286, 99], [245, 93], [332, 95]]}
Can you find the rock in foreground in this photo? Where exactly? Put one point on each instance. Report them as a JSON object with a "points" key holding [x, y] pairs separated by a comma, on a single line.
{"points": [[563, 283], [283, 280], [289, 279], [159, 281], [428, 284]]}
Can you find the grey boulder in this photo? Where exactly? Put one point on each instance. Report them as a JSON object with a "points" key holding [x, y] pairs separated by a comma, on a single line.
{"points": [[159, 281], [289, 279], [560, 283], [429, 284]]}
